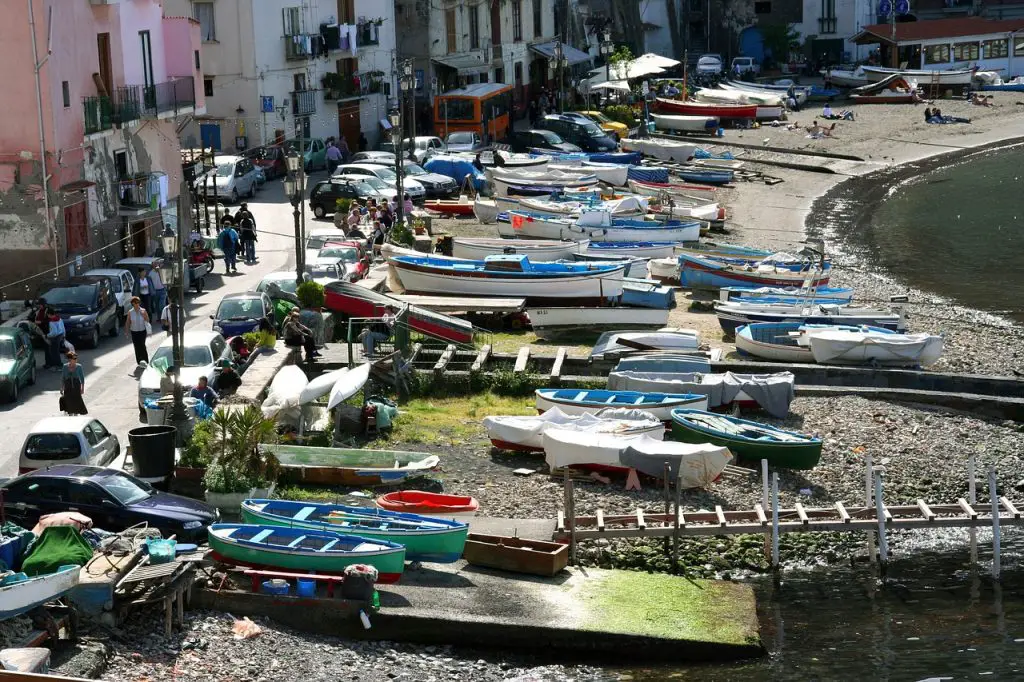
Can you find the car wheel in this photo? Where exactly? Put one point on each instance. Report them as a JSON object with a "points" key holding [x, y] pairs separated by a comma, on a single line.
{"points": [[210, 262], [234, 196], [94, 338], [32, 375], [319, 211]]}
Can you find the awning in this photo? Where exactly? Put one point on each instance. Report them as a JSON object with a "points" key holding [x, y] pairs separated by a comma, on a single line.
{"points": [[77, 186], [571, 54], [464, 63]]}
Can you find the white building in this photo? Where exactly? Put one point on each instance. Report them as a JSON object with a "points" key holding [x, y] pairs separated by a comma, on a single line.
{"points": [[280, 69], [830, 26]]}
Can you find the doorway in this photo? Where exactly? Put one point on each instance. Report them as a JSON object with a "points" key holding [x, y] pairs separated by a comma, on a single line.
{"points": [[348, 124], [106, 75], [139, 239]]}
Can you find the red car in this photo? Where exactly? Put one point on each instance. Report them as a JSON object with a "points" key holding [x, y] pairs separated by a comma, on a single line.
{"points": [[357, 267], [271, 160]]}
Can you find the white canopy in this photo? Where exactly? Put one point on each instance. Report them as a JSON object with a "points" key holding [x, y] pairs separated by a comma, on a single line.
{"points": [[611, 85]]}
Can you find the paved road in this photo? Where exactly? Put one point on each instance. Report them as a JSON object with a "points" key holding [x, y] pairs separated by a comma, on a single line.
{"points": [[111, 383]]}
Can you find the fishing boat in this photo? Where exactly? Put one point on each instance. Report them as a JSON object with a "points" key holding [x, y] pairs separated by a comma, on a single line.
{"points": [[895, 89], [630, 341], [659, 189], [425, 538], [799, 93], [679, 206], [20, 594], [352, 300], [716, 250], [772, 341], [505, 181], [687, 124], [736, 96], [689, 465], [538, 250], [944, 77], [575, 401], [611, 173], [707, 273], [303, 549], [643, 293], [634, 249], [721, 111], [511, 275], [605, 452], [338, 466], [516, 555], [635, 267], [513, 189], [485, 210], [1015, 84], [460, 206], [664, 269], [771, 392], [707, 176], [845, 78], [599, 226], [526, 434], [733, 314], [661, 149], [561, 206], [748, 440], [787, 294], [549, 323], [430, 504], [665, 363], [865, 346]]}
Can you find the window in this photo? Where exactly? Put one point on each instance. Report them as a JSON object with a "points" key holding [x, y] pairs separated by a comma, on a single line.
{"points": [[203, 13], [65, 91], [49, 490], [936, 54], [195, 54], [995, 49], [292, 18], [449, 28], [86, 493], [517, 20], [474, 27], [98, 429], [208, 87], [52, 446], [1018, 47], [828, 8], [762, 7], [76, 227], [538, 24], [965, 51], [457, 110]]}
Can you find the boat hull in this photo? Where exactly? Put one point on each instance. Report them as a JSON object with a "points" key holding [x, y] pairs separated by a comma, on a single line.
{"points": [[661, 149], [485, 210], [642, 293], [21, 597], [660, 405], [726, 111], [431, 504], [537, 250], [857, 348], [731, 320], [548, 323], [688, 124], [790, 455], [516, 555], [702, 273], [945, 77], [755, 340], [356, 301], [449, 207], [634, 249], [328, 466]]}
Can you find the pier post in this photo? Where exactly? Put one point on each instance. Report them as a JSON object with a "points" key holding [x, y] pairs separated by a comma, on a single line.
{"points": [[994, 495], [869, 490], [972, 498], [675, 528], [883, 543], [764, 505], [775, 521]]}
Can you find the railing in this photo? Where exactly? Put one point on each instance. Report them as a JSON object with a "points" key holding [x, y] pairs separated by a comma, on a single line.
{"points": [[170, 97], [367, 34], [298, 46], [103, 112], [138, 191], [826, 25], [303, 102]]}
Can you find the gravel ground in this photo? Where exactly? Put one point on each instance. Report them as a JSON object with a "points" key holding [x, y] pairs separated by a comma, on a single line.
{"points": [[207, 650]]}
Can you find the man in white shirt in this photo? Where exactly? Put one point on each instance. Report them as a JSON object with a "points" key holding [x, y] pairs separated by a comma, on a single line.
{"points": [[165, 318]]}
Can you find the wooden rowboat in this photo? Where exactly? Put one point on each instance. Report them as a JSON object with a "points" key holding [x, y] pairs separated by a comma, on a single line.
{"points": [[461, 206], [431, 504], [516, 555], [20, 594], [574, 401], [746, 439], [338, 466]]}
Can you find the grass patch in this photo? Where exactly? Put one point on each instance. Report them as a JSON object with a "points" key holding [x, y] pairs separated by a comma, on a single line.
{"points": [[578, 343], [658, 605], [454, 421], [317, 494]]}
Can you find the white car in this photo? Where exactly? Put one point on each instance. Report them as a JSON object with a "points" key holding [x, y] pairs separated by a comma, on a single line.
{"points": [[743, 65], [709, 64], [203, 350], [318, 239], [122, 282], [423, 147], [68, 440], [374, 157], [286, 282], [231, 177], [415, 190]]}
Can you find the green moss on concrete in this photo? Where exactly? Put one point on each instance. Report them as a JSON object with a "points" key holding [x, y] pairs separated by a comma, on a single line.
{"points": [[670, 607]]}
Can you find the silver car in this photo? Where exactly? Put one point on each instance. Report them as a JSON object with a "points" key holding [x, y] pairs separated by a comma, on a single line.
{"points": [[415, 190]]}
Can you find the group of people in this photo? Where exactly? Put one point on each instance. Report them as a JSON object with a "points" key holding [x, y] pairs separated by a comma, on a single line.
{"points": [[935, 115], [373, 220], [237, 233], [337, 153], [541, 106], [829, 115]]}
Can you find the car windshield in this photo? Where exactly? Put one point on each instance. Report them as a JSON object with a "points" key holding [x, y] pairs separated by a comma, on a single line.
{"points": [[385, 174], [287, 285], [80, 296], [195, 356], [550, 137], [126, 489], [346, 253], [374, 183], [52, 446], [239, 308], [414, 169], [599, 117], [318, 242], [225, 170], [323, 271], [592, 130], [461, 138], [6, 349]]}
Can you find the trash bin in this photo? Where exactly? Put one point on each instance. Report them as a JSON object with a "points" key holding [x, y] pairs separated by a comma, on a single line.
{"points": [[156, 416], [153, 450]]}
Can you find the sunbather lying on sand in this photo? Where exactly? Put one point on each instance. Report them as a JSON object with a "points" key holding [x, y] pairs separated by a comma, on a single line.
{"points": [[816, 131]]}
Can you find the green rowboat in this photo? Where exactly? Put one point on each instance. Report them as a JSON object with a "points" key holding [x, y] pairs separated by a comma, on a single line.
{"points": [[339, 466], [746, 439]]}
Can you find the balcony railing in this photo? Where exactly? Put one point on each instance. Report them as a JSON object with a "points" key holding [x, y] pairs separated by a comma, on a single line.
{"points": [[140, 191], [171, 97], [367, 34], [103, 112], [826, 25], [304, 102], [298, 46]]}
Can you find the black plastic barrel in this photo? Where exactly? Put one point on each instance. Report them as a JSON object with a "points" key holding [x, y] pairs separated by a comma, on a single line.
{"points": [[153, 450]]}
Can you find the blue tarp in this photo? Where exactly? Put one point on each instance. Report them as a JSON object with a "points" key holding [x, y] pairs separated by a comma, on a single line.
{"points": [[648, 174], [456, 169]]}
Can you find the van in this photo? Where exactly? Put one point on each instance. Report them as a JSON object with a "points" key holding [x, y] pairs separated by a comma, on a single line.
{"points": [[588, 136], [68, 440]]}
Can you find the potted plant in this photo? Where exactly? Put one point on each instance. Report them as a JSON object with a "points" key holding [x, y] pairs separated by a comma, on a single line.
{"points": [[402, 235], [259, 339], [197, 455], [241, 467], [311, 295]]}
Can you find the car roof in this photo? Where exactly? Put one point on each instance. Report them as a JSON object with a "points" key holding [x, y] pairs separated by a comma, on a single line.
{"points": [[375, 152], [60, 425], [324, 232], [108, 272], [244, 294], [193, 337], [279, 276], [67, 471], [139, 260], [365, 166], [11, 331], [230, 158]]}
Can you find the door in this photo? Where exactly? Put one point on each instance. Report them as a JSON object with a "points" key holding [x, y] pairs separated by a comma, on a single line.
{"points": [[88, 499], [495, 24], [348, 124], [149, 91], [103, 52], [139, 240], [102, 442], [209, 133]]}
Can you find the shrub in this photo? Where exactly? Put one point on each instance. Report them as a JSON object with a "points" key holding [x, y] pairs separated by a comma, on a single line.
{"points": [[199, 451], [342, 205], [402, 235], [237, 460], [258, 339], [621, 113], [311, 295]]}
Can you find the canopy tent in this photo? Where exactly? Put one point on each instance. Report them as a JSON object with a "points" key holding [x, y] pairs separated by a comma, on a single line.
{"points": [[644, 65], [571, 54], [651, 59], [611, 85]]}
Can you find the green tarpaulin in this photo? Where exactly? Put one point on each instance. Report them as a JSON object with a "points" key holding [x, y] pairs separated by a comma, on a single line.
{"points": [[57, 546]]}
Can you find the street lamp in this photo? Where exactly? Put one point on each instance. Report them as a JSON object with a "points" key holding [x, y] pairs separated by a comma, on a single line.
{"points": [[395, 119], [294, 188], [560, 63], [172, 272], [607, 48]]}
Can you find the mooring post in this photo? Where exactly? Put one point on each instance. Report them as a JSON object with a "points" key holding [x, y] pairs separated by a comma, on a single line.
{"points": [[775, 521], [675, 528], [668, 502], [883, 544], [764, 505], [570, 516], [869, 490], [972, 498], [994, 495]]}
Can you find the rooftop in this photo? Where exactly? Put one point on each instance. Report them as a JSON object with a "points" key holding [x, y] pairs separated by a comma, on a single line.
{"points": [[933, 29]]}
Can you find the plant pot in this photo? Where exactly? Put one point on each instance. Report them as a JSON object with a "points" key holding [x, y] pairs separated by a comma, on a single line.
{"points": [[189, 473]]}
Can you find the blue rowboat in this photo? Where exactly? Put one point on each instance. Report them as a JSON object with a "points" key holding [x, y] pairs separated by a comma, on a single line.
{"points": [[644, 293], [624, 158], [819, 92], [707, 273], [668, 363], [20, 593], [706, 176], [576, 401], [711, 249], [787, 294]]}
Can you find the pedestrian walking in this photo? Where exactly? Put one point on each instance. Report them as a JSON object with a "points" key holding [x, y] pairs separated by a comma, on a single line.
{"points": [[144, 289], [228, 242], [165, 318], [72, 387], [54, 340], [333, 158], [158, 292], [345, 151], [136, 327], [247, 237]]}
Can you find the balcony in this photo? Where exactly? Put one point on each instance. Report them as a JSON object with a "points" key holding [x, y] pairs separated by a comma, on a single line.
{"points": [[298, 46], [826, 25], [367, 34], [138, 193], [169, 99], [304, 102], [104, 113]]}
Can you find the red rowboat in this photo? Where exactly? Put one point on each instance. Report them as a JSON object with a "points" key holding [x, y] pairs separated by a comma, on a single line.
{"points": [[449, 206], [675, 106], [419, 502]]}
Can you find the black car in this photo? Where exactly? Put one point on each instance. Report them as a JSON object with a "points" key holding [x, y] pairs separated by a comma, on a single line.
{"points": [[113, 500], [323, 199], [546, 140], [88, 307], [587, 135]]}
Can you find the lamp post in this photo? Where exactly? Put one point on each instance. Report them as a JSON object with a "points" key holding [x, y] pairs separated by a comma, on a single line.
{"points": [[559, 55], [395, 119], [294, 188], [406, 86], [607, 48], [172, 272]]}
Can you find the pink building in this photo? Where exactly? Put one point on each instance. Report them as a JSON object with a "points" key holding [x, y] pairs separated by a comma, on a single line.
{"points": [[102, 91]]}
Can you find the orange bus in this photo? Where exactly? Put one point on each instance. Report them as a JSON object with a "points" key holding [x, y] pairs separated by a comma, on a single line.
{"points": [[482, 108]]}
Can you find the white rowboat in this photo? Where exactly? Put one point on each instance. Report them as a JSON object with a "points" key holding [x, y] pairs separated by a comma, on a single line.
{"points": [[527, 433], [550, 322], [537, 249]]}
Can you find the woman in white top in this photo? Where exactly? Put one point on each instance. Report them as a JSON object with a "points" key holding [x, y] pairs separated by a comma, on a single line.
{"points": [[136, 326]]}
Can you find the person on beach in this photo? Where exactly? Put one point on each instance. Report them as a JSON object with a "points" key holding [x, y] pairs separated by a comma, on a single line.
{"points": [[928, 114], [72, 387], [136, 327]]}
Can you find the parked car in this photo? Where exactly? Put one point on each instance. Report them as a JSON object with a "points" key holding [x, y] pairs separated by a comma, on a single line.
{"points": [[617, 129], [67, 440], [261, 178], [314, 154], [414, 189], [17, 362], [319, 238], [463, 142], [323, 198], [202, 351], [386, 158], [327, 268], [113, 500], [231, 178], [435, 184], [545, 140], [710, 65], [742, 65], [584, 134], [271, 160], [88, 307], [195, 273], [241, 313], [350, 256], [423, 147], [122, 283]]}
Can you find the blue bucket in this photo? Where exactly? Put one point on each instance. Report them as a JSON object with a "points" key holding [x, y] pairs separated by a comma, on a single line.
{"points": [[276, 587], [721, 132], [305, 588]]}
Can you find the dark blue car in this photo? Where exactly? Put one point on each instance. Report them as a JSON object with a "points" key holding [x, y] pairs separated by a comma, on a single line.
{"points": [[238, 314], [113, 500]]}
